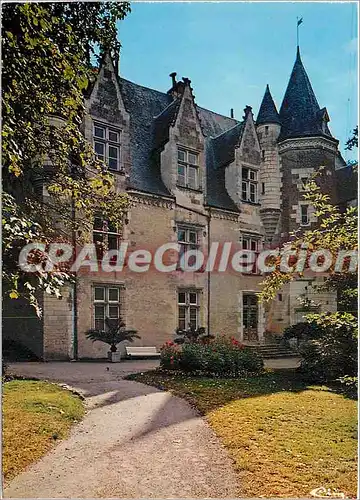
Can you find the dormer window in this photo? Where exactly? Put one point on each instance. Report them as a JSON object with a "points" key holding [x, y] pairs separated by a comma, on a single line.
{"points": [[249, 185], [107, 146], [188, 169]]}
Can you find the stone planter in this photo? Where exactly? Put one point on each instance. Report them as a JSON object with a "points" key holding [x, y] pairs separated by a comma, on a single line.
{"points": [[114, 357]]}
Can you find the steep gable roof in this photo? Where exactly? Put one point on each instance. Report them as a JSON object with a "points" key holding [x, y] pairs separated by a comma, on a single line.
{"points": [[143, 105], [220, 151], [151, 114], [300, 113], [267, 112], [163, 122]]}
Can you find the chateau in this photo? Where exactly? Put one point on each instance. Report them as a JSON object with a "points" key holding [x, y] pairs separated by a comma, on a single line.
{"points": [[194, 177]]}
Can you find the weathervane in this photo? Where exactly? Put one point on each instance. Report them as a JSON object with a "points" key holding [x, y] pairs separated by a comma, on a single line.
{"points": [[299, 21]]}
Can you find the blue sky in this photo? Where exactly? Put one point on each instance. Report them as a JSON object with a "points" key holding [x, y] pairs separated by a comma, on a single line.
{"points": [[230, 51]]}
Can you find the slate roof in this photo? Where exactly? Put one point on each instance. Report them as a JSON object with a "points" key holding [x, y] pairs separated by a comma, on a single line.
{"points": [[347, 184], [300, 113], [267, 112], [151, 114], [220, 151], [144, 105], [163, 122]]}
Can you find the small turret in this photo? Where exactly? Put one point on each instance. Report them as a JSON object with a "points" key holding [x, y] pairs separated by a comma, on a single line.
{"points": [[268, 130], [267, 112]]}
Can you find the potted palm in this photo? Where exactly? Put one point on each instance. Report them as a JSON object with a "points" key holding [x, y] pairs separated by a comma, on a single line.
{"points": [[114, 333]]}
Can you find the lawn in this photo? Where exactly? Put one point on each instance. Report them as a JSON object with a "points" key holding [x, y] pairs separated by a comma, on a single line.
{"points": [[35, 415], [285, 438]]}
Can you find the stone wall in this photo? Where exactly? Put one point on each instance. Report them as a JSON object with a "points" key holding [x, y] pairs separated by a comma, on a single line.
{"points": [[58, 325]]}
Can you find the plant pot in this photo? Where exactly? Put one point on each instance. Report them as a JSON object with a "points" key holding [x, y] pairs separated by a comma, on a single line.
{"points": [[114, 357]]}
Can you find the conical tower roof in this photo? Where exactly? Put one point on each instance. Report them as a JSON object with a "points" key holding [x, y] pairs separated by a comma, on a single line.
{"points": [[300, 113], [267, 112]]}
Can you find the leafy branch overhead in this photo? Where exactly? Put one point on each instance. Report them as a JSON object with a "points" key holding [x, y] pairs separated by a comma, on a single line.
{"points": [[336, 230], [48, 50]]}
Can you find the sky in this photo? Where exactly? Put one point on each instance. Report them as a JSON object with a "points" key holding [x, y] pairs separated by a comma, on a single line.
{"points": [[231, 50]]}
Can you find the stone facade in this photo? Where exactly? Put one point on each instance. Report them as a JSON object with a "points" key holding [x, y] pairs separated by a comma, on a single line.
{"points": [[191, 171]]}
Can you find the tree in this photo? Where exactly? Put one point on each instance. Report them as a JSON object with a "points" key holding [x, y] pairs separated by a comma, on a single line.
{"points": [[336, 231], [353, 141], [48, 51]]}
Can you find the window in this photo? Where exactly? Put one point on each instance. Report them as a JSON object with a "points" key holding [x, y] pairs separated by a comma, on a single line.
{"points": [[188, 239], [249, 185], [263, 188], [304, 181], [108, 303], [106, 236], [266, 130], [188, 169], [188, 307], [304, 215], [253, 244], [107, 146], [263, 155]]}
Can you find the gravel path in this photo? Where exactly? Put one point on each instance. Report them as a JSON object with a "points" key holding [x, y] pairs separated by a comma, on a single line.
{"points": [[134, 442]]}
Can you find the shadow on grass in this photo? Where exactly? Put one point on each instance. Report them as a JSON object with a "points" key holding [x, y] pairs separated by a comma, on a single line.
{"points": [[208, 394]]}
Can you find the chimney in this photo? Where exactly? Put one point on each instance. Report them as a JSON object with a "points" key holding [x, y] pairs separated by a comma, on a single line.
{"points": [[232, 113], [247, 110], [173, 78], [186, 81]]}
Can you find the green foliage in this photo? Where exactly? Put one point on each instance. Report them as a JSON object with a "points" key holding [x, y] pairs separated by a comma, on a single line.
{"points": [[335, 231], [221, 356], [353, 142], [192, 335], [115, 332], [350, 385], [303, 331], [334, 353], [47, 49]]}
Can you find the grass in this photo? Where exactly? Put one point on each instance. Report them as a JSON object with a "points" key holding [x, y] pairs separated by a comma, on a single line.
{"points": [[35, 415], [286, 438]]}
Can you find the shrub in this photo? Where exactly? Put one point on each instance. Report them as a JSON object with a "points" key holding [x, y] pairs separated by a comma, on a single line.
{"points": [[170, 356], [192, 335], [303, 331], [221, 356], [334, 354], [350, 385]]}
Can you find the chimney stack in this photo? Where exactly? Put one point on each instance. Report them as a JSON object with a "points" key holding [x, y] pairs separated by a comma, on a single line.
{"points": [[231, 113], [173, 78]]}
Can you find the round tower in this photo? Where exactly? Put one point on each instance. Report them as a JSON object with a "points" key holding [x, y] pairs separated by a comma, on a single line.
{"points": [[268, 129]]}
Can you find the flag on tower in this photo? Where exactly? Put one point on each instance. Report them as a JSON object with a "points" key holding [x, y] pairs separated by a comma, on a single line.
{"points": [[300, 21]]}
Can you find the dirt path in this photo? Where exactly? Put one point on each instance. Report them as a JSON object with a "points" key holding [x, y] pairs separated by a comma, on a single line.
{"points": [[134, 442]]}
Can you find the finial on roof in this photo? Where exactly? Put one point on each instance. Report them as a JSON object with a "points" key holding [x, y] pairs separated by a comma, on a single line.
{"points": [[267, 112]]}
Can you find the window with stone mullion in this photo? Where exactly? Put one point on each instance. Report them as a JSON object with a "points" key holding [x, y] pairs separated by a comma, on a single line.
{"points": [[188, 169]]}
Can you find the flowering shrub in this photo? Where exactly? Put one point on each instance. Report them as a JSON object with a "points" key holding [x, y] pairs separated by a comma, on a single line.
{"points": [[222, 356]]}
